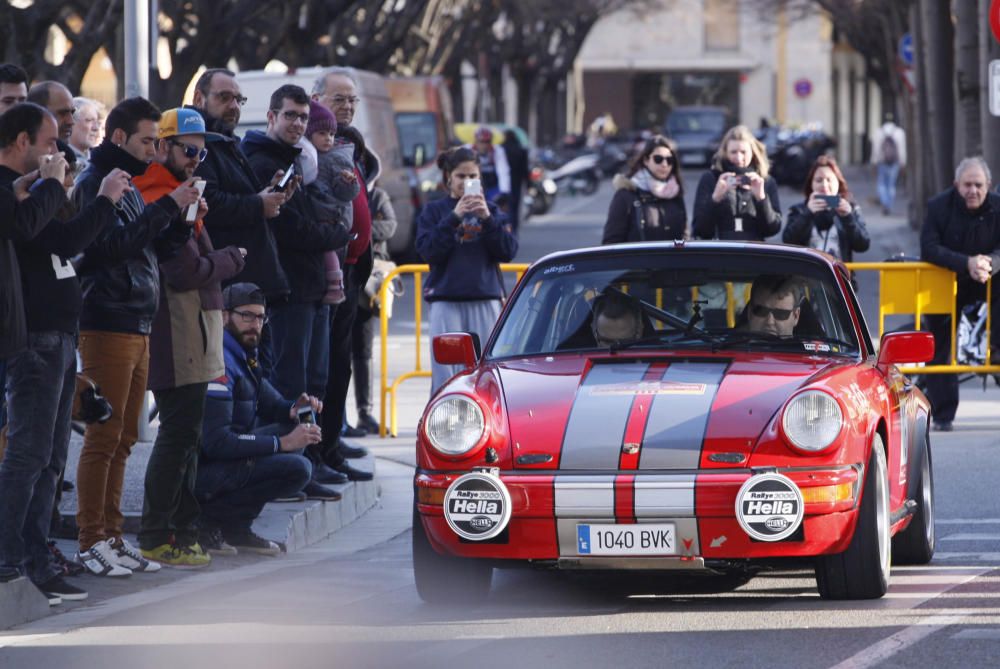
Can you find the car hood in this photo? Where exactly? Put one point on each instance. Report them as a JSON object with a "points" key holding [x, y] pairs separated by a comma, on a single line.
{"points": [[588, 414]]}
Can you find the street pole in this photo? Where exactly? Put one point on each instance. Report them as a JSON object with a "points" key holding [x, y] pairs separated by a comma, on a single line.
{"points": [[136, 48]]}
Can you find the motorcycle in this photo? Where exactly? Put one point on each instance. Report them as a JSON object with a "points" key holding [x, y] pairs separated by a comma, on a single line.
{"points": [[540, 193], [579, 175]]}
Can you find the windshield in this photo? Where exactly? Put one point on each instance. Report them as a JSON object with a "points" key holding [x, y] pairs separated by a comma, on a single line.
{"points": [[417, 128], [679, 301], [696, 122]]}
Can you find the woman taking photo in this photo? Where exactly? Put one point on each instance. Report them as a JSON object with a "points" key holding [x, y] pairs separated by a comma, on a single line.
{"points": [[736, 199], [827, 220], [648, 204], [464, 238]]}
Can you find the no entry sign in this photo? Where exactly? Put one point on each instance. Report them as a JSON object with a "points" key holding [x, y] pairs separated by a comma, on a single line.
{"points": [[803, 87]]}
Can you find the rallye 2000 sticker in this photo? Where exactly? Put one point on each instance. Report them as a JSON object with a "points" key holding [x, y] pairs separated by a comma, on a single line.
{"points": [[477, 506], [769, 507]]}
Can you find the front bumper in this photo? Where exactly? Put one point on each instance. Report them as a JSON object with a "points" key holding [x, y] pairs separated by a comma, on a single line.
{"points": [[546, 509]]}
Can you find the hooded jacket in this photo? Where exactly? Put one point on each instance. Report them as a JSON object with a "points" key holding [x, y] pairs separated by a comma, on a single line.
{"points": [[638, 215], [301, 235], [21, 221], [119, 273], [757, 220], [236, 212], [185, 346]]}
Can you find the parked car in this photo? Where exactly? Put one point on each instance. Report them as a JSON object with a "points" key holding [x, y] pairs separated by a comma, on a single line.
{"points": [[375, 119], [697, 132], [685, 442]]}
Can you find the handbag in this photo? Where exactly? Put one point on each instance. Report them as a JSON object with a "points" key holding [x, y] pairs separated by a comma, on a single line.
{"points": [[381, 269]]}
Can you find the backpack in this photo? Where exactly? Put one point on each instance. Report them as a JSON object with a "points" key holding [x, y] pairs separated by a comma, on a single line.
{"points": [[890, 152]]}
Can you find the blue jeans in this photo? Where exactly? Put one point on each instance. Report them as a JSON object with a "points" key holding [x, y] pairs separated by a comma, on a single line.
{"points": [[42, 381], [301, 341], [888, 173], [232, 493]]}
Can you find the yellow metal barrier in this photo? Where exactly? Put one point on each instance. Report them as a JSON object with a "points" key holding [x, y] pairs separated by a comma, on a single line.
{"points": [[385, 389], [922, 288], [905, 288]]}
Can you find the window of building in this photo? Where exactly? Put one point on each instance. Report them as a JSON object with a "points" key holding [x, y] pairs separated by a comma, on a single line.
{"points": [[722, 25]]}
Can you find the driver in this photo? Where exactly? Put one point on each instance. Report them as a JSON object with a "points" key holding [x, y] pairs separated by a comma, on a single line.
{"points": [[774, 305], [617, 319]]}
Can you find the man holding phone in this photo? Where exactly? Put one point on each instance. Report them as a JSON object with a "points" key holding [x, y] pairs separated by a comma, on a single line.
{"points": [[185, 349]]}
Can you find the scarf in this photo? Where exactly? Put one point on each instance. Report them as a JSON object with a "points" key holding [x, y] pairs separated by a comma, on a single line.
{"points": [[664, 190]]}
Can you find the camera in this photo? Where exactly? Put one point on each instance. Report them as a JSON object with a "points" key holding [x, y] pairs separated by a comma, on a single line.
{"points": [[831, 200], [89, 405], [306, 415], [743, 180]]}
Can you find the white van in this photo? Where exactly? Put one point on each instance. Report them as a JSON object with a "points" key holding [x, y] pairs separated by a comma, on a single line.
{"points": [[374, 117]]}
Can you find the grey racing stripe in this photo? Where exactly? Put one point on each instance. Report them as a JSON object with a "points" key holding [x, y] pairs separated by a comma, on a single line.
{"points": [[677, 421], [596, 424]]}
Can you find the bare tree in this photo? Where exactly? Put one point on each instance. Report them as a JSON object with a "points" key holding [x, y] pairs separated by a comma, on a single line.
{"points": [[968, 74]]}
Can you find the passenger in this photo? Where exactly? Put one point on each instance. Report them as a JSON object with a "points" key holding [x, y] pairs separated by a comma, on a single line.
{"points": [[836, 229], [774, 307], [736, 199]]}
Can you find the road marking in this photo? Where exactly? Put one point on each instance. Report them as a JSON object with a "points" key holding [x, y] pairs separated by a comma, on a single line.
{"points": [[967, 521], [971, 536], [978, 635], [993, 557]]}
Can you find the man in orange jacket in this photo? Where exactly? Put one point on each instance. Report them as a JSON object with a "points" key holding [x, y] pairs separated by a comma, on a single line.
{"points": [[185, 354]]}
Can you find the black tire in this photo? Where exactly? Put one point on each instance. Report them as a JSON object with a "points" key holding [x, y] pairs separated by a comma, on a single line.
{"points": [[862, 571], [442, 579], [915, 544]]}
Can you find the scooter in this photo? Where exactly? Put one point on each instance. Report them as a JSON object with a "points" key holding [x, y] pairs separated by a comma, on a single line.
{"points": [[579, 175], [540, 193]]}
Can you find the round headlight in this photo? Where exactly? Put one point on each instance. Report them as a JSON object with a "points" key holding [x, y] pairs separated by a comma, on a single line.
{"points": [[812, 420], [455, 425]]}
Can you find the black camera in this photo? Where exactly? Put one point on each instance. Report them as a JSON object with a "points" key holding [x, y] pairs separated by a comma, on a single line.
{"points": [[90, 405]]}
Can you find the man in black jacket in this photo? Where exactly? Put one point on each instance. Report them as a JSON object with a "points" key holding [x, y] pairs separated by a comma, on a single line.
{"points": [[120, 277], [300, 325], [962, 233], [239, 205], [43, 378]]}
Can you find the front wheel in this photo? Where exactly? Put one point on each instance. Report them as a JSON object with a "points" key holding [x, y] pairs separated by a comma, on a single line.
{"points": [[915, 544], [443, 579], [862, 571]]}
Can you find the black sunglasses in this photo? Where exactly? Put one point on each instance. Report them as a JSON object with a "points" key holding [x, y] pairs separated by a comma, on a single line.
{"points": [[660, 159], [191, 151], [760, 311]]}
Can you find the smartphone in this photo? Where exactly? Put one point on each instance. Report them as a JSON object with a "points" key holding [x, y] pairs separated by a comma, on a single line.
{"points": [[306, 415], [283, 184], [473, 187], [192, 211], [831, 200]]}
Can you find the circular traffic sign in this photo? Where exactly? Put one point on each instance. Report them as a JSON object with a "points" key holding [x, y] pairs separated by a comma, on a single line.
{"points": [[802, 87]]}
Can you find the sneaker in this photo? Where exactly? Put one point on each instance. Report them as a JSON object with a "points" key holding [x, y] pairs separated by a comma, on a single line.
{"points": [[57, 588], [248, 541], [294, 497], [69, 567], [101, 560], [179, 557], [132, 559], [213, 542], [316, 490]]}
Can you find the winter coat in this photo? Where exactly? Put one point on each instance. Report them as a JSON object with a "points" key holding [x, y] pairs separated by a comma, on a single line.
{"points": [[21, 221], [384, 223], [844, 236], [332, 195], [119, 271], [185, 345], [243, 411], [463, 268], [713, 220], [301, 235], [367, 168], [952, 233], [236, 212], [637, 215]]}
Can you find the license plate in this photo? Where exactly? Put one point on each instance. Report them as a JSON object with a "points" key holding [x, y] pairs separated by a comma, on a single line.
{"points": [[645, 539]]}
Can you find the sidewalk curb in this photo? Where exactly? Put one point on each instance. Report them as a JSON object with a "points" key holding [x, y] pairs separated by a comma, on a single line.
{"points": [[21, 602]]}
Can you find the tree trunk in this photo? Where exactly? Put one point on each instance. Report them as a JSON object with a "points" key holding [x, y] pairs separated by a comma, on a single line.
{"points": [[967, 77], [918, 163], [938, 52], [989, 49]]}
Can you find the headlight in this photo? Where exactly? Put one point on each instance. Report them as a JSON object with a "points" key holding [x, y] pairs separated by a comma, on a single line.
{"points": [[549, 186], [812, 420], [455, 425]]}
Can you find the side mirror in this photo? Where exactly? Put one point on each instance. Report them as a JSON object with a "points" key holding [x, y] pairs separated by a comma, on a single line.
{"points": [[905, 347], [455, 348]]}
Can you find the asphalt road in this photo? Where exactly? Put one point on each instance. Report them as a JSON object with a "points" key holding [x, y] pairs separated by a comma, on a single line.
{"points": [[350, 602]]}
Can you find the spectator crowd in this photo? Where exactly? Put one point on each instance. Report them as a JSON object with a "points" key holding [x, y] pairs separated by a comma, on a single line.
{"points": [[146, 249]]}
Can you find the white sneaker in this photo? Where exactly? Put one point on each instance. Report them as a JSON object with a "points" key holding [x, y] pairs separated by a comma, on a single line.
{"points": [[130, 558], [100, 560]]}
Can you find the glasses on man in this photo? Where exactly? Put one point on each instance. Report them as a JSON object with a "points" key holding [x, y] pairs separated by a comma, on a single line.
{"points": [[251, 317], [659, 159], [225, 97], [191, 151], [344, 100], [292, 116], [760, 311]]}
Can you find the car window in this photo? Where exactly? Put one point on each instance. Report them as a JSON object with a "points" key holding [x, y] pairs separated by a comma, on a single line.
{"points": [[685, 300], [686, 122]]}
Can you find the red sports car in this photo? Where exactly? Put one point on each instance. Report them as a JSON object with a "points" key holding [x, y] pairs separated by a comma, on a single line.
{"points": [[706, 407]]}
